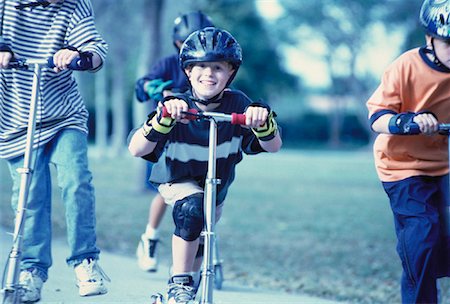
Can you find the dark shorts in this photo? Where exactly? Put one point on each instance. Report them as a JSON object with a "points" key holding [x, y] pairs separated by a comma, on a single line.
{"points": [[420, 205]]}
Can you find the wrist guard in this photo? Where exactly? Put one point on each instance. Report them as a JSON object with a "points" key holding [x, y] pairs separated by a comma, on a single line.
{"points": [[85, 62], [156, 127], [270, 128], [403, 124], [5, 48]]}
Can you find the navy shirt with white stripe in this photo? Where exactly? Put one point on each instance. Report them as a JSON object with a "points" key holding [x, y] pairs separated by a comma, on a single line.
{"points": [[38, 33], [185, 153]]}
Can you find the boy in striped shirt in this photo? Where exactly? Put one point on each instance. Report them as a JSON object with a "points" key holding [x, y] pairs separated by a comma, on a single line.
{"points": [[64, 30]]}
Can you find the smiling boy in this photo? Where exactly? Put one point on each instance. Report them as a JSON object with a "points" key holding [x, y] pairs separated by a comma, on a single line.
{"points": [[210, 58]]}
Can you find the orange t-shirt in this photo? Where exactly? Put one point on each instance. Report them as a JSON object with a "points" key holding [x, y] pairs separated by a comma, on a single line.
{"points": [[410, 84]]}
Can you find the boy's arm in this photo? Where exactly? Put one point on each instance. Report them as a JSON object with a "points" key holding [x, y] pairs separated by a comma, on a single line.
{"points": [[400, 124], [273, 145], [157, 128], [139, 146]]}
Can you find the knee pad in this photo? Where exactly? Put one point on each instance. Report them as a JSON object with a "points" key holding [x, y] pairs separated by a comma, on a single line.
{"points": [[188, 217]]}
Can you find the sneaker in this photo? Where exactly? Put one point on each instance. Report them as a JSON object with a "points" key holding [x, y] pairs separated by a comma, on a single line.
{"points": [[146, 254], [30, 286], [90, 278], [181, 290]]}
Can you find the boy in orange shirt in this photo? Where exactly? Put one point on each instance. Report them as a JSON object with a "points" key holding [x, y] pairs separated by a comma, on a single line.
{"points": [[413, 98]]}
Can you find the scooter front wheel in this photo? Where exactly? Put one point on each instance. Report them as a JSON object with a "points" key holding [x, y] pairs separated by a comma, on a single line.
{"points": [[218, 276]]}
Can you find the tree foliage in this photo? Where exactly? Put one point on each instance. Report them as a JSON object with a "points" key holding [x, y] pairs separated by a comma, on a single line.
{"points": [[138, 33], [261, 74]]}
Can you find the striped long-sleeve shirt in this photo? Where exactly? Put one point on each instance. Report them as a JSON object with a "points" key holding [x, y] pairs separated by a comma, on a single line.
{"points": [[38, 33], [184, 155]]}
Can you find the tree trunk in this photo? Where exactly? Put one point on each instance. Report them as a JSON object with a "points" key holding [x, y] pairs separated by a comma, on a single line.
{"points": [[119, 108], [101, 110], [150, 51]]}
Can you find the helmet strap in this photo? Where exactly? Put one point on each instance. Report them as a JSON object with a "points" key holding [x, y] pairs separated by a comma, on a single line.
{"points": [[435, 57], [214, 99]]}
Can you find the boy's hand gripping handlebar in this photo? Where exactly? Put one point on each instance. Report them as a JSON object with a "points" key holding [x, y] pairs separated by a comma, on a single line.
{"points": [[192, 114], [25, 63], [414, 129]]}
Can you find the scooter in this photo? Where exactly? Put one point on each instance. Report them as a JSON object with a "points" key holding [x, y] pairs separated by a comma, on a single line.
{"points": [[210, 191], [10, 280], [445, 129]]}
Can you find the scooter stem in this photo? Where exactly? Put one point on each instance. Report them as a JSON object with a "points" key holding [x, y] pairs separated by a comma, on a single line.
{"points": [[12, 277], [210, 217]]}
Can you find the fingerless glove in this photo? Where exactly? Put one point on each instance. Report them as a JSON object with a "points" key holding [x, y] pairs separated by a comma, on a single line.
{"points": [[85, 58], [157, 127], [270, 128], [155, 88]]}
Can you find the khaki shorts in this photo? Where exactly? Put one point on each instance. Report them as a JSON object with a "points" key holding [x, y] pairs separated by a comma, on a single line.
{"points": [[173, 192]]}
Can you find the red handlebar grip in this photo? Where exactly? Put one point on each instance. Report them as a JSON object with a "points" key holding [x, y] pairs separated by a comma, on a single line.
{"points": [[164, 112], [238, 119], [189, 117]]}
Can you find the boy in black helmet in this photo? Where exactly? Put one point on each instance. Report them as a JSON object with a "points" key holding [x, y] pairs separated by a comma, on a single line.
{"points": [[165, 78], [413, 98], [210, 58]]}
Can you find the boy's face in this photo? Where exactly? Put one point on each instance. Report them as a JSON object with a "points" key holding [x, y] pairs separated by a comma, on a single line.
{"points": [[442, 50], [208, 79]]}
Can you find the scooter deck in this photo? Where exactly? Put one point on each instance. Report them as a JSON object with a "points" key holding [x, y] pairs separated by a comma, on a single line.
{"points": [[158, 298]]}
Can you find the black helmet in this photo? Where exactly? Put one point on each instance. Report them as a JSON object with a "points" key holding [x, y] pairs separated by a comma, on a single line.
{"points": [[210, 44], [435, 17], [185, 24]]}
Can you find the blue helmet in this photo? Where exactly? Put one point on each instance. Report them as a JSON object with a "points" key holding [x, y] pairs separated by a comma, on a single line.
{"points": [[435, 17], [185, 24]]}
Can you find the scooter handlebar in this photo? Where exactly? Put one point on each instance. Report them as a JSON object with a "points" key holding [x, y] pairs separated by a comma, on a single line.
{"points": [[193, 114], [415, 129], [444, 128], [25, 63], [75, 64]]}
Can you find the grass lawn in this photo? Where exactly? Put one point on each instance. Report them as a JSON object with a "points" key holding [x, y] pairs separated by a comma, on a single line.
{"points": [[312, 222]]}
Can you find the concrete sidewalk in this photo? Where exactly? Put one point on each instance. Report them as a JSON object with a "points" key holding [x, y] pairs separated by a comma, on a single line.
{"points": [[131, 285]]}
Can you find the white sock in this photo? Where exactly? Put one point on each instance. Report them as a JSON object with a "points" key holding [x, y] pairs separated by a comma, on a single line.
{"points": [[151, 233]]}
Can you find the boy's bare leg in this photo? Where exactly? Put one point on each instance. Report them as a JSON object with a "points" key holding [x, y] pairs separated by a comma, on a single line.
{"points": [[156, 211], [183, 255], [146, 251]]}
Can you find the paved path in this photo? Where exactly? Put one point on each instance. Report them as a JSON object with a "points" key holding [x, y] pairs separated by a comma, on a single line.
{"points": [[131, 285]]}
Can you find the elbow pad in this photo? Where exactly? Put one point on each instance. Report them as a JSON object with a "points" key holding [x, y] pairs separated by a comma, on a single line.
{"points": [[403, 124]]}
